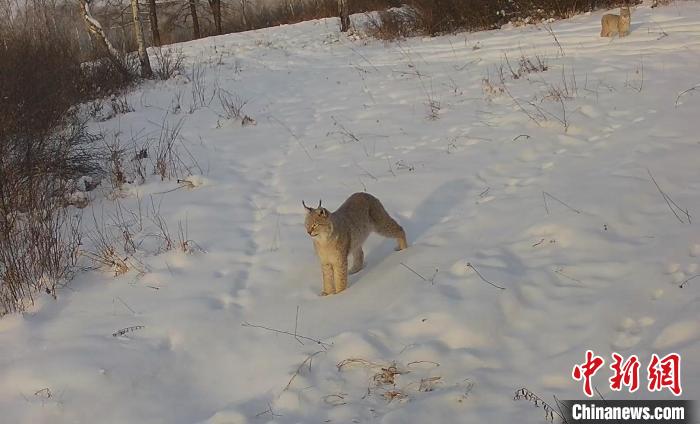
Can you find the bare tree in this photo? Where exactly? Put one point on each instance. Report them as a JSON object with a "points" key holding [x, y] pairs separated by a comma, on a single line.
{"points": [[146, 71], [290, 6], [244, 14], [215, 6], [195, 20], [153, 16], [344, 15], [96, 29]]}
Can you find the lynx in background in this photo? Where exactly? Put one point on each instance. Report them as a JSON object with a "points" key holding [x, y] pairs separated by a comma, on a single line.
{"points": [[614, 24], [341, 233]]}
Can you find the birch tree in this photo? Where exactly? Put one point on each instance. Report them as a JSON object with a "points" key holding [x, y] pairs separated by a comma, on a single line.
{"points": [[146, 71], [96, 29], [244, 14]]}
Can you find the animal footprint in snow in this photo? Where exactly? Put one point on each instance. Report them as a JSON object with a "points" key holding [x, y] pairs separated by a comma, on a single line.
{"points": [[629, 332], [695, 250], [681, 277]]}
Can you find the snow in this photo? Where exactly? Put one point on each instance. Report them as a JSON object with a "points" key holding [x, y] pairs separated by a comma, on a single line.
{"points": [[559, 209]]}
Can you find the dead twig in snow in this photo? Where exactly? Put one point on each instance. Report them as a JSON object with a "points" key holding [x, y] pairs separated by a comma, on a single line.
{"points": [[681, 285], [671, 203], [308, 361], [289, 130], [531, 397], [295, 335], [469, 265], [267, 411], [560, 271], [544, 198], [430, 280], [436, 364], [428, 384], [549, 29], [684, 92], [126, 330]]}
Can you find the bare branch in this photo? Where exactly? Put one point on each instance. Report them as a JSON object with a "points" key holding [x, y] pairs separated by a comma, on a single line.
{"points": [[469, 265]]}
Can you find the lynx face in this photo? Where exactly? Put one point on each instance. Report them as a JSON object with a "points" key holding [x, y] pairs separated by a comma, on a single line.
{"points": [[317, 222], [625, 16]]}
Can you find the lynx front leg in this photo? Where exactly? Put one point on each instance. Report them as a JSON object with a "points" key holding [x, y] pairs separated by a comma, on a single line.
{"points": [[327, 270], [358, 261], [340, 274]]}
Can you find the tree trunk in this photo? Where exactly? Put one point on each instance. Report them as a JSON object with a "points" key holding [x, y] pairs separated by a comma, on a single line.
{"points": [[290, 5], [155, 33], [95, 28], [215, 6], [244, 17], [344, 15], [195, 20], [146, 71]]}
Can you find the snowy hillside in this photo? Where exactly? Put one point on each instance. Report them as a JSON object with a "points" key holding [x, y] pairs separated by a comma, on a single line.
{"points": [[539, 182]]}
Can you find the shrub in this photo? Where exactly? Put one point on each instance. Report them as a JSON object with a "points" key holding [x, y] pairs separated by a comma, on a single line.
{"points": [[392, 24], [432, 17], [168, 63], [39, 238], [44, 148]]}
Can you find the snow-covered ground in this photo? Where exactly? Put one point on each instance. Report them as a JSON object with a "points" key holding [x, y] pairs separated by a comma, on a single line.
{"points": [[544, 187]]}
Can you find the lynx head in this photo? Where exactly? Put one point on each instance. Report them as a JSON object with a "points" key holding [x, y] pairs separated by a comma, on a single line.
{"points": [[317, 221], [625, 13]]}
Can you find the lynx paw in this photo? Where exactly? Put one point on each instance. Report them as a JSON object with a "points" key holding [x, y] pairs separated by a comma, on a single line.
{"points": [[324, 293]]}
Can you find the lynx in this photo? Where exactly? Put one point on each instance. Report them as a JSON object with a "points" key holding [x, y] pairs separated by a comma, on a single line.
{"points": [[341, 233], [616, 24]]}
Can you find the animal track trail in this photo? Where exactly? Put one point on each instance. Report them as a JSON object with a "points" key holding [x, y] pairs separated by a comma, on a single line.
{"points": [[266, 197]]}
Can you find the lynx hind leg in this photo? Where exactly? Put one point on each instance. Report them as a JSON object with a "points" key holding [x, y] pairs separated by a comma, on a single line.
{"points": [[386, 226], [328, 288], [358, 261]]}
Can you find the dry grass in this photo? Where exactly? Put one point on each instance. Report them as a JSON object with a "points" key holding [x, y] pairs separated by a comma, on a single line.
{"points": [[120, 240], [549, 412], [385, 378], [38, 252], [168, 62], [232, 106]]}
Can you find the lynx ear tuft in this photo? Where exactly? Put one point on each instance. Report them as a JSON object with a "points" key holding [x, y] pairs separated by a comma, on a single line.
{"points": [[306, 207]]}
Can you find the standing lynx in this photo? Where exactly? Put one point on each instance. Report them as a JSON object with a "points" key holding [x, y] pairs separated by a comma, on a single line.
{"points": [[341, 233], [616, 24]]}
